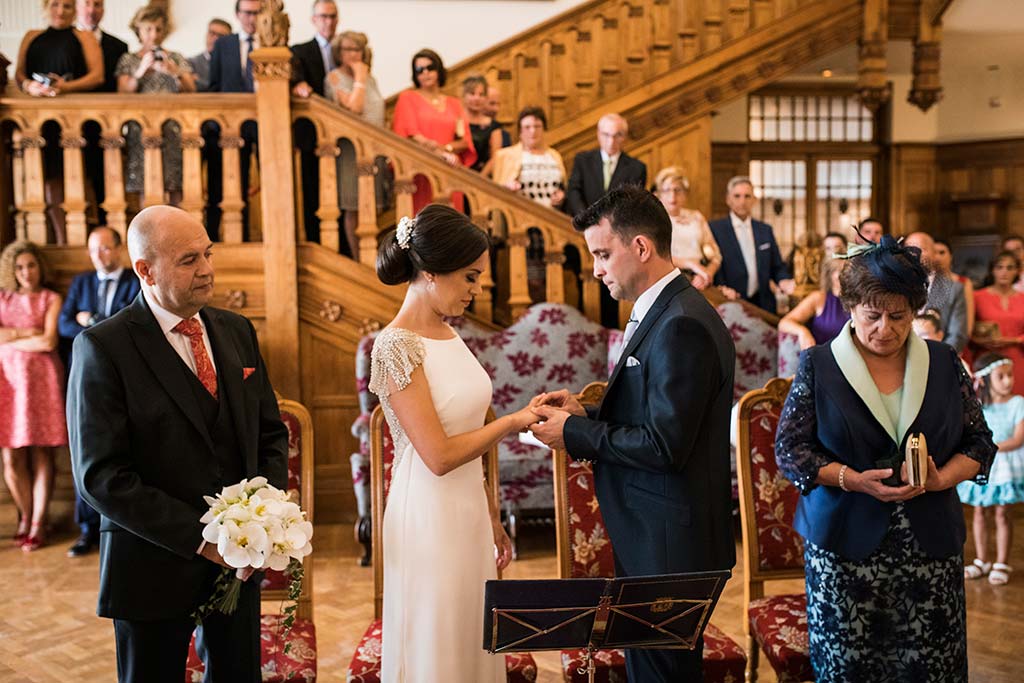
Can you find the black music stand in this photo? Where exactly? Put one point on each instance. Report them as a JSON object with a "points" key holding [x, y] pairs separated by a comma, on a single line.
{"points": [[668, 611]]}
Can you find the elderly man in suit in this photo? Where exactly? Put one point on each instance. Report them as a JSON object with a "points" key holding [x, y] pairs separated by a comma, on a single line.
{"points": [[168, 401], [945, 294], [659, 440], [215, 30], [750, 256], [596, 171], [94, 296]]}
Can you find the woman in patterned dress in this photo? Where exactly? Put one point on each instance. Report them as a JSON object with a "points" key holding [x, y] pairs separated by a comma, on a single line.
{"points": [[31, 388], [530, 167], [693, 246], [884, 559], [154, 70]]}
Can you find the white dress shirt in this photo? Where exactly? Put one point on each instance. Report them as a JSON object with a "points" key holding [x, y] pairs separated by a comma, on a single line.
{"points": [[177, 340], [107, 305], [243, 47], [325, 53], [745, 236]]}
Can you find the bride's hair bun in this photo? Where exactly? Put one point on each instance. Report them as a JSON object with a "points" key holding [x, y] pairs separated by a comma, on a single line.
{"points": [[442, 240]]}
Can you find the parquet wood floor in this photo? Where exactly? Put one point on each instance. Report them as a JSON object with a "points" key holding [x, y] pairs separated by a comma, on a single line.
{"points": [[50, 634]]}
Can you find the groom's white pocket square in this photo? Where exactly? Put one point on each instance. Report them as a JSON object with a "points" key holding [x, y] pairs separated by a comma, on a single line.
{"points": [[632, 362]]}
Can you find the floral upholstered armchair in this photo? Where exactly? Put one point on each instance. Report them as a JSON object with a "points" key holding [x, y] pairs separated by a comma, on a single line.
{"points": [[772, 549], [550, 347], [585, 551]]}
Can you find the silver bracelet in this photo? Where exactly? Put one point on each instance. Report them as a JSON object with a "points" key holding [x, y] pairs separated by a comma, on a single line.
{"points": [[842, 477]]}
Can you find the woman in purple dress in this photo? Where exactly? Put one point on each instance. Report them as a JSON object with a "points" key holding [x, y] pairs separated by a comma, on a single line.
{"points": [[820, 316]]}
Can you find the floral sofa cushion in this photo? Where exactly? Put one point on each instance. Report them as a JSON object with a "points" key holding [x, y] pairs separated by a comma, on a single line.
{"points": [[365, 664], [779, 624], [789, 354], [297, 666], [757, 345]]}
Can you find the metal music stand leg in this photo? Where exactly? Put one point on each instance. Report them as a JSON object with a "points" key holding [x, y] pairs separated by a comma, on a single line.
{"points": [[589, 667]]}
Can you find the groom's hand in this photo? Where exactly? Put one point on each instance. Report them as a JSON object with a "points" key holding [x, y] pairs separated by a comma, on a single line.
{"points": [[550, 430], [560, 399]]}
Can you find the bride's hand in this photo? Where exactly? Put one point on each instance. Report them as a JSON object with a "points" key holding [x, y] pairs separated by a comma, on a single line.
{"points": [[523, 418], [502, 545]]}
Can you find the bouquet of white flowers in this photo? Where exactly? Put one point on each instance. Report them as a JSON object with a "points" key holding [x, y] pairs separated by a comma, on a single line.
{"points": [[255, 526]]}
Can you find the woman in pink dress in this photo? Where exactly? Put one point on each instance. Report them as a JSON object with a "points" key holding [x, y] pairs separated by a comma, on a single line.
{"points": [[31, 388], [426, 115], [999, 309]]}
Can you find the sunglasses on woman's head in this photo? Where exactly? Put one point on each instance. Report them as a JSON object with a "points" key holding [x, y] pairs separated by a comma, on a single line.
{"points": [[426, 67]]}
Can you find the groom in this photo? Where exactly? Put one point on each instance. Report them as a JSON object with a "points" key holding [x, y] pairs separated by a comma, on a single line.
{"points": [[169, 401], [659, 440]]}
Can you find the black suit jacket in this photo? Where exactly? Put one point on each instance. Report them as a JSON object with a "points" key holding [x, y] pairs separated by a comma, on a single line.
{"points": [[226, 73], [112, 48], [733, 273], [586, 183], [308, 66], [660, 441], [142, 455], [83, 295]]}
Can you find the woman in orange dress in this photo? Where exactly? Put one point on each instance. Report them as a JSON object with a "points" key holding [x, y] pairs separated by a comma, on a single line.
{"points": [[1000, 304], [426, 115]]}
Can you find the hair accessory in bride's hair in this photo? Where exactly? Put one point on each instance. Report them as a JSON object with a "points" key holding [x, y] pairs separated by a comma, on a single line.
{"points": [[403, 234]]}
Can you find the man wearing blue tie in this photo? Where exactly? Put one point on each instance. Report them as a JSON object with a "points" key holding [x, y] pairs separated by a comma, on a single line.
{"points": [[93, 297]]}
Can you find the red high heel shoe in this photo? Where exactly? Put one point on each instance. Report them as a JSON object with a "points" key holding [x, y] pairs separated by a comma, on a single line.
{"points": [[35, 540]]}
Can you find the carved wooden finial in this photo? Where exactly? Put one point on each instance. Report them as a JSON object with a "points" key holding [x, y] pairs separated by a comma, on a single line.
{"points": [[272, 24]]}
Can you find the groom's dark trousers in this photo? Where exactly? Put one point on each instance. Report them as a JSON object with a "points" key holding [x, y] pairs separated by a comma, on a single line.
{"points": [[148, 441], [660, 445]]}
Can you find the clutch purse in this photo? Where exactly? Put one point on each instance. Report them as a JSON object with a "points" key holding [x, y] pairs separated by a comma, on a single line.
{"points": [[916, 460]]}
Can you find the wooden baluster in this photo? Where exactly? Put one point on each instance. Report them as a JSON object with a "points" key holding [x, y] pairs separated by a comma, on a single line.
{"points": [[18, 171], [738, 18], [74, 189], [34, 207], [687, 44], [113, 182], [328, 211], [483, 306], [528, 86], [231, 205], [609, 49], [554, 261], [764, 12], [661, 47], [192, 175], [153, 174], [712, 24], [634, 22], [555, 63], [404, 190], [625, 308], [591, 297], [586, 68], [367, 229], [518, 286]]}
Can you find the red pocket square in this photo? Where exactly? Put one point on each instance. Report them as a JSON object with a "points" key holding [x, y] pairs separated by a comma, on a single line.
{"points": [[246, 372]]}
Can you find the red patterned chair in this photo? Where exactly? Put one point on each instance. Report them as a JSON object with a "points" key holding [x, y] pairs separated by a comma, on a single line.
{"points": [[772, 549], [365, 664], [298, 665], [585, 551]]}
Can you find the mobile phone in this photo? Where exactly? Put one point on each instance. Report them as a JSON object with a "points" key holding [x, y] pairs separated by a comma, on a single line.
{"points": [[158, 53], [42, 78]]}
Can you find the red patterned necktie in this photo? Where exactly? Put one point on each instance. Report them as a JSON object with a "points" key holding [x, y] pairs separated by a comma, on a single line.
{"points": [[204, 367]]}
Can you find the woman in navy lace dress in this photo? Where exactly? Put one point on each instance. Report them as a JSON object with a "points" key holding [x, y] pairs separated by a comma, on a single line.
{"points": [[885, 590]]}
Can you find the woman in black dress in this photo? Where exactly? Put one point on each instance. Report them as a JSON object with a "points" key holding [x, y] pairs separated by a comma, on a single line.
{"points": [[884, 559]]}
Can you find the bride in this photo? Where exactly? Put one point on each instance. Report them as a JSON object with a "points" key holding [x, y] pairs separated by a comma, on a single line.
{"points": [[441, 529]]}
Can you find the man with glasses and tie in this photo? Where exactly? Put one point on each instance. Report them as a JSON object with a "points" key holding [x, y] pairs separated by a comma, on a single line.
{"points": [[597, 171], [659, 440], [93, 297]]}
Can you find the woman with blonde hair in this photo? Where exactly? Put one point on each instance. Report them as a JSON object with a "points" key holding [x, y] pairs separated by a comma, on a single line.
{"points": [[820, 316], [31, 388], [693, 246]]}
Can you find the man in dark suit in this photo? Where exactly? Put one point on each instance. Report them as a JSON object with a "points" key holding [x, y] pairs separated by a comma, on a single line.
{"points": [[92, 297], [90, 14], [230, 71], [659, 440], [596, 171], [750, 256], [168, 401], [216, 29], [311, 62]]}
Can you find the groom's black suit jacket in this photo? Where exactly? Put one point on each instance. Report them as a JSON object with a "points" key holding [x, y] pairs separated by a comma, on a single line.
{"points": [[143, 455], [660, 440]]}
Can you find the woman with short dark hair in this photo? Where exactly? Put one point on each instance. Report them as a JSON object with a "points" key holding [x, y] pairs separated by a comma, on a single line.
{"points": [[884, 558], [485, 131], [530, 167]]}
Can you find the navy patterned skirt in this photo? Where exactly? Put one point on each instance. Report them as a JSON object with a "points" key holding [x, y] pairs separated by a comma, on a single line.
{"points": [[898, 615]]}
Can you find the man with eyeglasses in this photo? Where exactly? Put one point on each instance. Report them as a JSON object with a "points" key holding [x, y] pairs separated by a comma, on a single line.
{"points": [[597, 171], [216, 29]]}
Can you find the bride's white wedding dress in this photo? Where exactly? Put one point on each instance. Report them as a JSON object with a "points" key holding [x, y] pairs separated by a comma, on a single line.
{"points": [[438, 544]]}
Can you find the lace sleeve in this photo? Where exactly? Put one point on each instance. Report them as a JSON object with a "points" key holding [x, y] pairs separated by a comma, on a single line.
{"points": [[976, 440], [396, 355], [798, 452]]}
